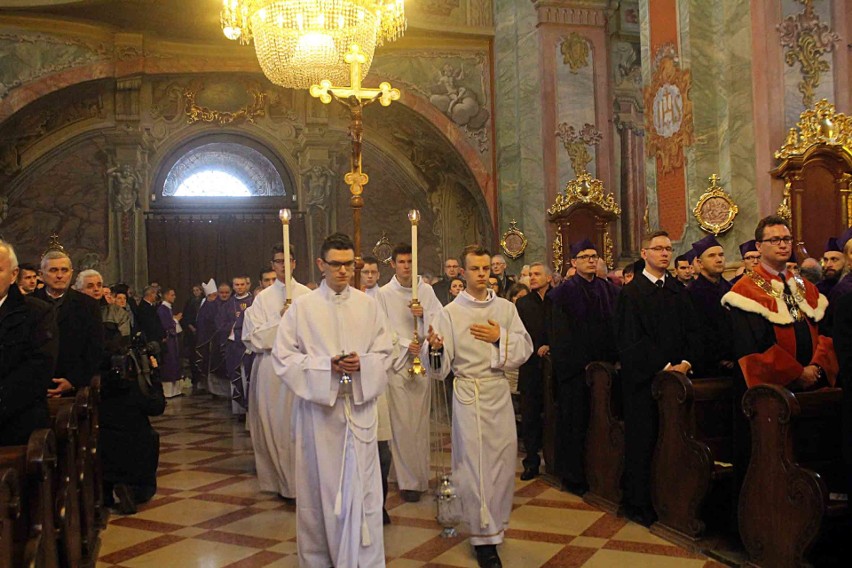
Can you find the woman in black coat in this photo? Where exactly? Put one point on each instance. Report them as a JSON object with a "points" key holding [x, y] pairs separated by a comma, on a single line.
{"points": [[129, 445]]}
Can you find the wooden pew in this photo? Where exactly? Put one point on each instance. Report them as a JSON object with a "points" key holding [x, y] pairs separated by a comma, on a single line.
{"points": [[695, 435], [34, 533], [605, 438], [10, 511], [63, 413], [795, 462], [92, 513]]}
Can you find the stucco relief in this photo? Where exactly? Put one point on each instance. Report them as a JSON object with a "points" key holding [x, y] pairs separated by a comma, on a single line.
{"points": [[27, 57], [456, 84]]}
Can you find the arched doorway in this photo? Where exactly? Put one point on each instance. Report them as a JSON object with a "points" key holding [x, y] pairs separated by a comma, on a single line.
{"points": [[215, 212]]}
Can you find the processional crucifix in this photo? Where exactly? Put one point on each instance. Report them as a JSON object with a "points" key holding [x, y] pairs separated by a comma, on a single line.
{"points": [[355, 98]]}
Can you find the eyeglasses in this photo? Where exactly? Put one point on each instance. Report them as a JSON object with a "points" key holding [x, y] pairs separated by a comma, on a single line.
{"points": [[775, 241], [660, 249], [336, 265], [592, 257], [280, 261], [752, 257]]}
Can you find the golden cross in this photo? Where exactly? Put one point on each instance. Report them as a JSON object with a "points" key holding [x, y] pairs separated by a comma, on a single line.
{"points": [[355, 98], [713, 179], [325, 91]]}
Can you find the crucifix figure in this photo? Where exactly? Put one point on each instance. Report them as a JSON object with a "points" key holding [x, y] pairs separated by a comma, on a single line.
{"points": [[355, 98]]}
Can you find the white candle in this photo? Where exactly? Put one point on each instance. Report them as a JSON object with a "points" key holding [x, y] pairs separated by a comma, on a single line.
{"points": [[414, 217], [284, 215]]}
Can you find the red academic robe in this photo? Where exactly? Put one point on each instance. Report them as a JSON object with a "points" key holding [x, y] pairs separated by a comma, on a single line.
{"points": [[777, 363]]}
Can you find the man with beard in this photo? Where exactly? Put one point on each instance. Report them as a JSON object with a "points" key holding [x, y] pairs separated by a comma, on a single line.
{"points": [[833, 265], [714, 320], [581, 332]]}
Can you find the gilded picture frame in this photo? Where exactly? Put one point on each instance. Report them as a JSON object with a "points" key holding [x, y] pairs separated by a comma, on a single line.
{"points": [[514, 241], [716, 209]]}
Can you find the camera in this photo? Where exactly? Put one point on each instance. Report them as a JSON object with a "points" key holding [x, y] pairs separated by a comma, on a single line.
{"points": [[134, 364]]}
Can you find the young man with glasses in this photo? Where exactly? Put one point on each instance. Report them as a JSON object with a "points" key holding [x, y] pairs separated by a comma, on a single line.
{"points": [[775, 316], [370, 276], [270, 403], [333, 350], [656, 330], [581, 332], [751, 258]]}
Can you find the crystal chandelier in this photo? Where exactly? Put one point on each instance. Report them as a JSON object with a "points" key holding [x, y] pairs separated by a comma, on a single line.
{"points": [[301, 42]]}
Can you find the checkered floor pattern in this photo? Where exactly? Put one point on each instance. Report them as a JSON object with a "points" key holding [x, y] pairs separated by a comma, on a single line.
{"points": [[209, 513]]}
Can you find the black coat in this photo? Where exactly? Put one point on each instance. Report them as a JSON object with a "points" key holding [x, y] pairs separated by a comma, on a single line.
{"points": [[714, 324], [28, 349], [128, 445], [442, 290], [81, 337], [655, 327], [843, 348], [581, 328], [535, 315], [148, 322]]}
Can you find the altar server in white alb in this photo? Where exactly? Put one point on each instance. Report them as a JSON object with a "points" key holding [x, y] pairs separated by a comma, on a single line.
{"points": [[479, 336], [333, 350], [270, 401], [408, 394]]}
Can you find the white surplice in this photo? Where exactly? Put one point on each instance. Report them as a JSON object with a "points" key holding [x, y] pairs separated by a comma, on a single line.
{"points": [[270, 401], [338, 479], [485, 442], [385, 434], [409, 396]]}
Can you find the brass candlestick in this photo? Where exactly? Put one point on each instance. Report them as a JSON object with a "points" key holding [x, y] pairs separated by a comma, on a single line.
{"points": [[417, 367]]}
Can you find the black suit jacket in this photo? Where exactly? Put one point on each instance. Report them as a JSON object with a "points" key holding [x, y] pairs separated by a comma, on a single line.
{"points": [[148, 322], [29, 345], [534, 312], [655, 327], [81, 337]]}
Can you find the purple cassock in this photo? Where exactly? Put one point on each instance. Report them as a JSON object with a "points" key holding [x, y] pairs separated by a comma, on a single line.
{"points": [[170, 360], [237, 361], [208, 351]]}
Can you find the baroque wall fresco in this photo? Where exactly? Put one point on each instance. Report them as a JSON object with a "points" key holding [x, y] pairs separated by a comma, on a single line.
{"points": [[68, 196]]}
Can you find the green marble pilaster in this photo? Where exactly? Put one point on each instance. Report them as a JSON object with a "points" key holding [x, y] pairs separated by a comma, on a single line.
{"points": [[520, 168]]}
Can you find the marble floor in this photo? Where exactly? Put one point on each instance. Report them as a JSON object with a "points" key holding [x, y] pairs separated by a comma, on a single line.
{"points": [[208, 513]]}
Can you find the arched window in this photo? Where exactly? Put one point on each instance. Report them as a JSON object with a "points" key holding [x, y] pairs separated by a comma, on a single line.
{"points": [[223, 169]]}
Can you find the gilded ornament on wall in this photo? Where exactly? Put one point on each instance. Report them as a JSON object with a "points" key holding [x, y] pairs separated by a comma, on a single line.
{"points": [[715, 210], [248, 113], [820, 125], [383, 250], [609, 257], [575, 52], [513, 241], [668, 125], [807, 40], [576, 144]]}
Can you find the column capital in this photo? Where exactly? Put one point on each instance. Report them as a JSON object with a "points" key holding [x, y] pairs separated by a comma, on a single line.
{"points": [[592, 13]]}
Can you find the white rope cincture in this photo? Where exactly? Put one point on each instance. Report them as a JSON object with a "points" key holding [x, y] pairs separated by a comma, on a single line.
{"points": [[484, 513]]}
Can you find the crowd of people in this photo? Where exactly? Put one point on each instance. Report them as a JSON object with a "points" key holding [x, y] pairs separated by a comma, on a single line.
{"points": [[325, 376]]}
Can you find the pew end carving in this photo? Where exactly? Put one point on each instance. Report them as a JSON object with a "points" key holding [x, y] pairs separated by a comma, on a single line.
{"points": [[67, 498], [784, 501], [34, 531], [695, 419], [604, 439], [10, 512]]}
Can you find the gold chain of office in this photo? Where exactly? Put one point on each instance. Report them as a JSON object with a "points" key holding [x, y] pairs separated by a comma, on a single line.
{"points": [[792, 299]]}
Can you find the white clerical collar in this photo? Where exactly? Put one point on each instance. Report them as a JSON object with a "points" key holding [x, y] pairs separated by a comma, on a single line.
{"points": [[167, 304], [653, 278], [243, 297], [397, 284], [466, 296], [326, 289]]}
